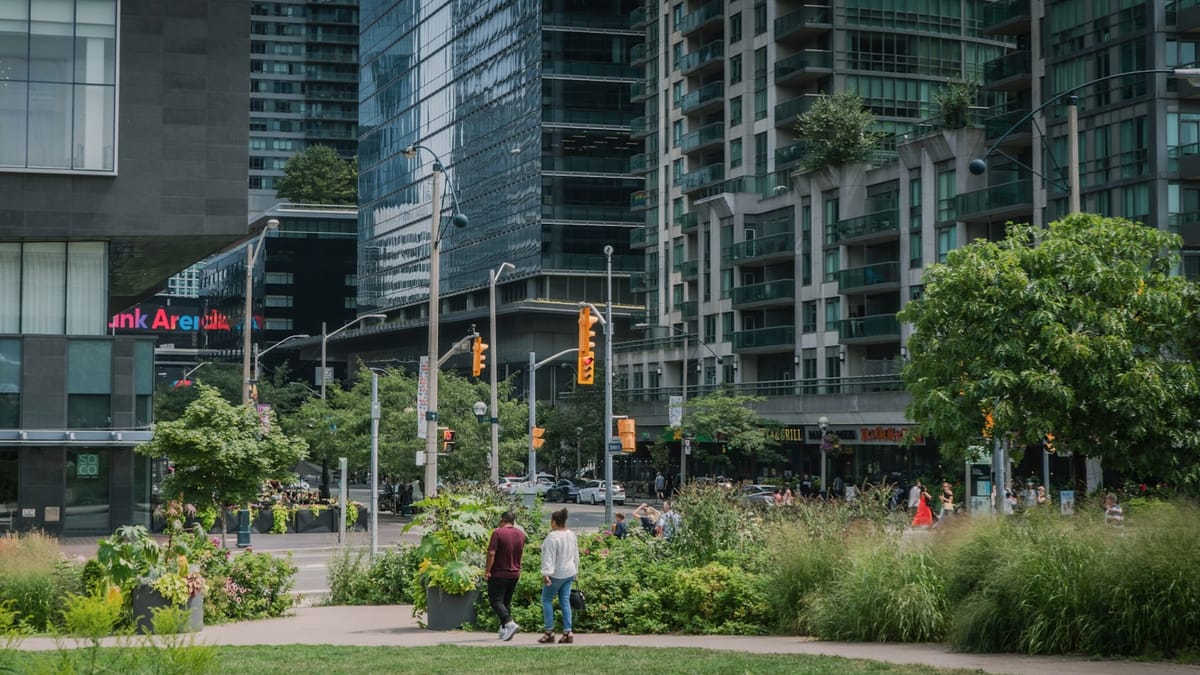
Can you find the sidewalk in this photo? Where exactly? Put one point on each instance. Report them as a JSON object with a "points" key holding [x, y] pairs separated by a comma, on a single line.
{"points": [[393, 625]]}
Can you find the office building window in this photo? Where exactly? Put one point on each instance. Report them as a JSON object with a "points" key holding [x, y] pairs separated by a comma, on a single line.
{"points": [[726, 326], [806, 243], [760, 153], [278, 301], [735, 111], [54, 288], [947, 240], [945, 195], [808, 322], [277, 324], [59, 95], [10, 383], [735, 153]]}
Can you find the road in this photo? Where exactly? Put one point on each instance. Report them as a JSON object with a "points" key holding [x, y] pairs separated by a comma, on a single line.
{"points": [[312, 553]]}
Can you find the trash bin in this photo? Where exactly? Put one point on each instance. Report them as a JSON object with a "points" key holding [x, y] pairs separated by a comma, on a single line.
{"points": [[243, 521]]}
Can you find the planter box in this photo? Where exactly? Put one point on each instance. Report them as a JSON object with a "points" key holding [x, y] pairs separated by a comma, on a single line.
{"points": [[444, 611], [145, 600], [322, 522]]}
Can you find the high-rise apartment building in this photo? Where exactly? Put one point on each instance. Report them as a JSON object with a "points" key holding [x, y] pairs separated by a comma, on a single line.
{"points": [[527, 104], [303, 86], [794, 277]]}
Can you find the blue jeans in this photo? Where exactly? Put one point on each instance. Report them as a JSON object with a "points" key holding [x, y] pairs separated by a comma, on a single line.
{"points": [[562, 589]]}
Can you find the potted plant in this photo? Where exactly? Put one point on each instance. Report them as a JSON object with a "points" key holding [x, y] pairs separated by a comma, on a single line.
{"points": [[452, 553]]}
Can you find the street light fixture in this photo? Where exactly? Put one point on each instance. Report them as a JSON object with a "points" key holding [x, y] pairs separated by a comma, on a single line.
{"points": [[258, 355], [493, 275], [480, 409], [325, 340], [435, 245], [252, 251], [685, 442], [978, 166]]}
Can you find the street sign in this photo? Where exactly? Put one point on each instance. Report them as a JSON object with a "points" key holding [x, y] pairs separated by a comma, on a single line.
{"points": [[687, 446], [614, 446]]}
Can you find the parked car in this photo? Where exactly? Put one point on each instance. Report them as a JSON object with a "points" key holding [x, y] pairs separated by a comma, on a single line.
{"points": [[759, 494], [508, 483], [594, 493], [565, 490]]}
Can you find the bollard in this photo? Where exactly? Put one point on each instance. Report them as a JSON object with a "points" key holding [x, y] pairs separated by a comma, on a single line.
{"points": [[243, 521]]}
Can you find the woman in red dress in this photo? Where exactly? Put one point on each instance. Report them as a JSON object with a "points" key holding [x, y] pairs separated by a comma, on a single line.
{"points": [[924, 517]]}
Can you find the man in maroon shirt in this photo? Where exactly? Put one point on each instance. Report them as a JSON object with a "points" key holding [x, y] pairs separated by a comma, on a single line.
{"points": [[502, 571]]}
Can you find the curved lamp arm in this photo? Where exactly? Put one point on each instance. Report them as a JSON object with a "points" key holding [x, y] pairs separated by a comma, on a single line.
{"points": [[458, 219]]}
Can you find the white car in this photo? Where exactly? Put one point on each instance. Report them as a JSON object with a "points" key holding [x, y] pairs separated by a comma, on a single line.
{"points": [[594, 493], [508, 483]]}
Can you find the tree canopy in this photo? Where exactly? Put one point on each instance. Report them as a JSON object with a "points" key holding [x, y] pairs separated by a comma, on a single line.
{"points": [[836, 130], [742, 435], [318, 176], [222, 453], [1081, 330]]}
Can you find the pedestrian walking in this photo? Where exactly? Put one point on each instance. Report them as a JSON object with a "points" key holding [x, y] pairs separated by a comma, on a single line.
{"points": [[660, 485], [503, 570], [560, 565], [668, 522]]}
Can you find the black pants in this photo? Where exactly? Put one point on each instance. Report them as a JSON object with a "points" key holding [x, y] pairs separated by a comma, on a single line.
{"points": [[500, 592]]}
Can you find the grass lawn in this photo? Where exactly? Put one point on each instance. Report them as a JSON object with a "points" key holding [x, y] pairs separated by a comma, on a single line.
{"points": [[458, 660]]}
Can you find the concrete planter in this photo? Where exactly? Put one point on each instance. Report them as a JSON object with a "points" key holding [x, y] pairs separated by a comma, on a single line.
{"points": [[145, 600], [444, 611]]}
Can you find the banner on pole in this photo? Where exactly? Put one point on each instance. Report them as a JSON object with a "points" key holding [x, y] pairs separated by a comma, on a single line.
{"points": [[675, 411], [422, 397]]}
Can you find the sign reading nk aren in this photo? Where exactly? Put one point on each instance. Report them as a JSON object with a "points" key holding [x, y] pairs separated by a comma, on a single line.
{"points": [[162, 319]]}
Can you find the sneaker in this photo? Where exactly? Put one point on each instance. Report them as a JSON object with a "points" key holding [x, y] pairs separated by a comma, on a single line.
{"points": [[509, 630], [547, 638], [566, 639]]}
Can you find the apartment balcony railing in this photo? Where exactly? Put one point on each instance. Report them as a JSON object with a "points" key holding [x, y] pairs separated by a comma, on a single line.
{"points": [[789, 155], [787, 113], [637, 163], [642, 199], [999, 121], [611, 118], [762, 247], [1015, 65], [694, 101], [764, 338], [713, 52], [868, 328], [626, 71], [766, 292], [713, 173], [589, 212], [586, 20], [643, 126], [803, 22], [693, 21], [773, 388], [1006, 16], [810, 61], [688, 269], [1018, 193], [878, 274], [688, 222], [688, 309], [712, 134], [878, 222], [576, 164], [638, 18]]}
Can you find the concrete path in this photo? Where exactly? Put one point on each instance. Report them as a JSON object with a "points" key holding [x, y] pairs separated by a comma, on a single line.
{"points": [[394, 626]]}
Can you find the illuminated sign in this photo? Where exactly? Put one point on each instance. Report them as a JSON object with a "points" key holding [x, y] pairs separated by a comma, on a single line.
{"points": [[162, 319]]}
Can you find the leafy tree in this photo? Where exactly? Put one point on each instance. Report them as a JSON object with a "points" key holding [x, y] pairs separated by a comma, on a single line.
{"points": [[582, 410], [279, 390], [222, 453], [1080, 330], [954, 102], [836, 130], [742, 434], [318, 176]]}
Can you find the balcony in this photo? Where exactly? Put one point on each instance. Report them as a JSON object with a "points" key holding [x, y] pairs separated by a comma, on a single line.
{"points": [[1007, 17], [882, 276], [803, 24], [877, 225], [707, 97], [999, 121], [688, 222], [773, 246], [640, 127], [790, 155], [688, 310], [706, 136], [782, 291], [996, 203], [1185, 160], [639, 283], [643, 199], [589, 212], [634, 262], [708, 14], [637, 163], [1186, 14], [805, 66], [688, 269], [637, 237], [696, 180], [1012, 72], [639, 17], [869, 329], [607, 118], [707, 55], [640, 91], [786, 113], [585, 20], [776, 338], [589, 165]]}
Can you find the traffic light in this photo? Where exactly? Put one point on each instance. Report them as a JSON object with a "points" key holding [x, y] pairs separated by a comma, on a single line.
{"points": [[1048, 443], [586, 370], [478, 357], [538, 433], [627, 431], [447, 440]]}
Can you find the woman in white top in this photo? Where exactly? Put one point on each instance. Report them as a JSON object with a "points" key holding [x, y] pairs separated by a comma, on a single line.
{"points": [[560, 564]]}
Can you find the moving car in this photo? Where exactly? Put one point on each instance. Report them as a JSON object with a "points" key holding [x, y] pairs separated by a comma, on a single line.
{"points": [[594, 493], [565, 490]]}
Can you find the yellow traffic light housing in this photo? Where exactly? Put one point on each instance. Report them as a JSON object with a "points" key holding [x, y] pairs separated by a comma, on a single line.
{"points": [[478, 358], [448, 436], [586, 365], [627, 431], [538, 433]]}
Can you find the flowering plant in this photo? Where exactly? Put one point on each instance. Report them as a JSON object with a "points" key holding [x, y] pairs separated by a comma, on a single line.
{"points": [[830, 443]]}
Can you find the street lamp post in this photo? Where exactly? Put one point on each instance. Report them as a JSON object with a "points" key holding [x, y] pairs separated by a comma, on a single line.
{"points": [[493, 275], [435, 245], [824, 422], [325, 340], [608, 399], [252, 251], [258, 355]]}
